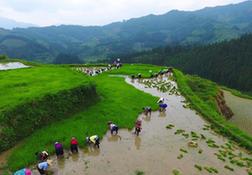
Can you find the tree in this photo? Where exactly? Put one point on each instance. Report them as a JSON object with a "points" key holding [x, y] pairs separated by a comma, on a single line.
{"points": [[3, 57]]}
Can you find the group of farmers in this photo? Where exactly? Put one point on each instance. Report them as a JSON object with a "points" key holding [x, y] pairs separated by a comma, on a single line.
{"points": [[43, 156], [45, 163]]}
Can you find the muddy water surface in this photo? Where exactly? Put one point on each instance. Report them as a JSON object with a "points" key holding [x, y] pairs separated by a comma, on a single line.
{"points": [[154, 151], [242, 109]]}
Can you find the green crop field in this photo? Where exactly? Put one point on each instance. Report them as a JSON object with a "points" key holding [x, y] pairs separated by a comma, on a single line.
{"points": [[20, 85], [134, 69]]}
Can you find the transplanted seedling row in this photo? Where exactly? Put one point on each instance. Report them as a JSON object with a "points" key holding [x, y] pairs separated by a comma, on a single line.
{"points": [[228, 152], [162, 85]]}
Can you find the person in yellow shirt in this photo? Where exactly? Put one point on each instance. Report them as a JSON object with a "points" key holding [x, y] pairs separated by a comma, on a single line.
{"points": [[93, 140]]}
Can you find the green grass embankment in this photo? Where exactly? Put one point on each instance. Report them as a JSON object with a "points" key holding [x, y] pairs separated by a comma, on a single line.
{"points": [[21, 85], [201, 94], [35, 97], [134, 69], [119, 102]]}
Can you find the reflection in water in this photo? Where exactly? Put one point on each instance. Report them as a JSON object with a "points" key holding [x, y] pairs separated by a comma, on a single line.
{"points": [[114, 138], [139, 80], [61, 162], [75, 157], [92, 151], [137, 142], [147, 118], [162, 114]]}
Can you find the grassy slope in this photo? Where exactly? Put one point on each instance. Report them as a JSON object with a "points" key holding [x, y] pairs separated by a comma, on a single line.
{"points": [[20, 85], [205, 89], [134, 69], [200, 93], [119, 102]]}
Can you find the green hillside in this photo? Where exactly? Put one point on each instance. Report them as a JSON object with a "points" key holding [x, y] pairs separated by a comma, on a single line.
{"points": [[38, 96], [88, 43], [21, 85]]}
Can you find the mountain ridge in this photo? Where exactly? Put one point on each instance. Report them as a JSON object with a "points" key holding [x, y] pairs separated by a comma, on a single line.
{"points": [[9, 24], [134, 35]]}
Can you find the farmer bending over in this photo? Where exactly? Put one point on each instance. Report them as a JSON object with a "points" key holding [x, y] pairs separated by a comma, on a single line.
{"points": [[74, 145], [59, 149], [138, 126], [113, 128], [42, 156], [93, 139], [161, 100], [24, 171], [147, 110], [43, 167], [162, 107]]}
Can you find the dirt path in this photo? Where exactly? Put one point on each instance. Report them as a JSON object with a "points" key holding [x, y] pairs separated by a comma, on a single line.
{"points": [[156, 150]]}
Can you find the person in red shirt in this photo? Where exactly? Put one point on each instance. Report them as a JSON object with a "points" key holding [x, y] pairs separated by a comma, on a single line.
{"points": [[138, 127], [74, 145]]}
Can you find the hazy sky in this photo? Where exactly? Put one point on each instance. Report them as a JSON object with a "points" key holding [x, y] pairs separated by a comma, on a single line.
{"points": [[94, 12]]}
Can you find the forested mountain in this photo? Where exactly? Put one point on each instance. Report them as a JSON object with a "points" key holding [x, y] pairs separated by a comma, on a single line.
{"points": [[228, 63], [174, 28]]}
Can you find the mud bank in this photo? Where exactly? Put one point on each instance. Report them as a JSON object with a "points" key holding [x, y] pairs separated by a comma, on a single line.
{"points": [[222, 106]]}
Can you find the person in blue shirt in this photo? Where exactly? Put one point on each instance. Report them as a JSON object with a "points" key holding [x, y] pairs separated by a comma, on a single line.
{"points": [[43, 167], [162, 107]]}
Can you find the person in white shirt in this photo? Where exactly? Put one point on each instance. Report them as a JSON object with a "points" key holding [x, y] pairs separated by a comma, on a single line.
{"points": [[113, 128]]}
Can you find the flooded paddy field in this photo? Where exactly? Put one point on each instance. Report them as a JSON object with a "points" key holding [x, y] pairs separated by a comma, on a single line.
{"points": [[177, 141], [242, 109], [161, 148], [12, 65]]}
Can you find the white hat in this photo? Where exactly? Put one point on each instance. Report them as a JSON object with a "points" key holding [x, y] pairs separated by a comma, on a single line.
{"points": [[44, 152]]}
